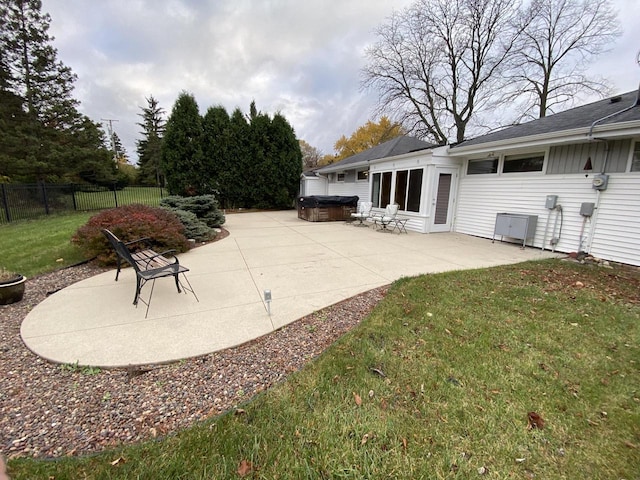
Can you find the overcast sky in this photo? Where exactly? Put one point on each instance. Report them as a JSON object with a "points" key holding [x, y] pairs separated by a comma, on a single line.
{"points": [[298, 57]]}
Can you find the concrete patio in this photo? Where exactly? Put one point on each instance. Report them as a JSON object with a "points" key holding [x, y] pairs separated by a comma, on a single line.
{"points": [[307, 266]]}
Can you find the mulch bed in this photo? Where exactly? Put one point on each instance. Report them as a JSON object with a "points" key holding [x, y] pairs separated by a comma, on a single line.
{"points": [[49, 410]]}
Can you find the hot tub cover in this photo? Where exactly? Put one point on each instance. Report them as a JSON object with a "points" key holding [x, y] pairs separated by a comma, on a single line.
{"points": [[327, 201]]}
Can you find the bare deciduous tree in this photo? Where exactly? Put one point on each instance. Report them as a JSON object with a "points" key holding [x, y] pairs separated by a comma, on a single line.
{"points": [[559, 39], [438, 62], [311, 156]]}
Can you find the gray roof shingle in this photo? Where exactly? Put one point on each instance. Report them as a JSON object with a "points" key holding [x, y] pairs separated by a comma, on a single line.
{"points": [[397, 146], [579, 117]]}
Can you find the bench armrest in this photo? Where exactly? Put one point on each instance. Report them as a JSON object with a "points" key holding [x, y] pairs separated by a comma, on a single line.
{"points": [[149, 259], [143, 239]]}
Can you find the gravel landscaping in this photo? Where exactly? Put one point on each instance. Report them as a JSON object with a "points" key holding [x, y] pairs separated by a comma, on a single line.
{"points": [[49, 410]]}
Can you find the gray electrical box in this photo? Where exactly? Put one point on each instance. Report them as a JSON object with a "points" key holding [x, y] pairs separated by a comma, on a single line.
{"points": [[551, 202], [515, 225], [600, 181], [586, 209]]}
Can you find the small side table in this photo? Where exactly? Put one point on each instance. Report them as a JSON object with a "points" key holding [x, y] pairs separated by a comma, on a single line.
{"points": [[400, 224]]}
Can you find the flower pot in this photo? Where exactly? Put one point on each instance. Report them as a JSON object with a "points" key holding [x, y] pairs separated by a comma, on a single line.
{"points": [[12, 290]]}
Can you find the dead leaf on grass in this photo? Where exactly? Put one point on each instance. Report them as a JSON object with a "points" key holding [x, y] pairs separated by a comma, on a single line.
{"points": [[357, 399], [535, 420], [245, 468], [118, 461]]}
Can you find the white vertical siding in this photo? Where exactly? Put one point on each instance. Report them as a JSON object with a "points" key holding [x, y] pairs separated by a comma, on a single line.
{"points": [[616, 235]]}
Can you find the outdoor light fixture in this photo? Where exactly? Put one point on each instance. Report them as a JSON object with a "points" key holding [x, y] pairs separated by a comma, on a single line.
{"points": [[267, 299]]}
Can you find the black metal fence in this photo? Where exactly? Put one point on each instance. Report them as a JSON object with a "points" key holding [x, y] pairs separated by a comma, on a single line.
{"points": [[22, 201]]}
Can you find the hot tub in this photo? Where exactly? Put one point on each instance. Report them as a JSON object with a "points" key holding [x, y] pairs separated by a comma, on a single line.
{"points": [[324, 208]]}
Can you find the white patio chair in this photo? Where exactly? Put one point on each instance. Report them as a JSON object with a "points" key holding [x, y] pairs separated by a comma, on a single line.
{"points": [[387, 217], [364, 212]]}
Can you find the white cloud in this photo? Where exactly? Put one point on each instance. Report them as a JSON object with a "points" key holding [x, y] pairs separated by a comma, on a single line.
{"points": [[300, 58]]}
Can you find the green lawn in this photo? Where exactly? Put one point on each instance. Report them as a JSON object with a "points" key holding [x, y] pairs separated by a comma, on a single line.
{"points": [[126, 196], [438, 382], [41, 245]]}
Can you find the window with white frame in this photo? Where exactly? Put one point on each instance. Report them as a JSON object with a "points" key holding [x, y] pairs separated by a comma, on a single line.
{"points": [[635, 160], [340, 176], [362, 175], [407, 189], [523, 163], [484, 166], [381, 189]]}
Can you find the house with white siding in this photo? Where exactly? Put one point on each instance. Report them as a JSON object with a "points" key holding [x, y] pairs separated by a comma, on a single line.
{"points": [[568, 182], [586, 158]]}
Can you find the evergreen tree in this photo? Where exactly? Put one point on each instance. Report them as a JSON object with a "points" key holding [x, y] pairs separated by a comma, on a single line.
{"points": [[121, 152], [49, 139], [149, 148], [286, 162], [182, 158], [216, 125], [36, 75], [261, 154], [238, 179], [16, 130]]}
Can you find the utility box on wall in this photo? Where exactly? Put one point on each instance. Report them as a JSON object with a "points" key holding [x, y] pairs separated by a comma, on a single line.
{"points": [[600, 182], [586, 209], [551, 202]]}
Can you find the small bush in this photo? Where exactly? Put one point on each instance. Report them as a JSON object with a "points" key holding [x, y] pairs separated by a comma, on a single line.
{"points": [[205, 207], [194, 227], [131, 222]]}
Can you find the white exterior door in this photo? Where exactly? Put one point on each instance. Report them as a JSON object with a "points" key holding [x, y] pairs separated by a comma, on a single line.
{"points": [[442, 199]]}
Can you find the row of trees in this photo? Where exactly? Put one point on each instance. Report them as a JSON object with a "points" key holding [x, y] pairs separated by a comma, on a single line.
{"points": [[445, 68], [249, 160], [43, 136]]}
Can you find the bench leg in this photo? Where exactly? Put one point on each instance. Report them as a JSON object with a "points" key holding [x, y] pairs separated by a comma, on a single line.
{"points": [[139, 285], [190, 288], [118, 270], [177, 282], [153, 284]]}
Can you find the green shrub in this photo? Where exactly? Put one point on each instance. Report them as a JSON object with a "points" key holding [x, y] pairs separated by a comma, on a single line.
{"points": [[205, 207], [131, 222], [194, 227]]}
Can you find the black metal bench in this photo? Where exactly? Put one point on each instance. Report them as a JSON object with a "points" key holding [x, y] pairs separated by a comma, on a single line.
{"points": [[148, 265]]}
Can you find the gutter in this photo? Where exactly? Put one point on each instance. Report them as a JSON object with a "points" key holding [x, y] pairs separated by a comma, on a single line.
{"points": [[635, 104], [577, 135]]}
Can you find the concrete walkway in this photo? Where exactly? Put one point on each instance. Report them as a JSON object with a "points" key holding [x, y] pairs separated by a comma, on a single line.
{"points": [[307, 266]]}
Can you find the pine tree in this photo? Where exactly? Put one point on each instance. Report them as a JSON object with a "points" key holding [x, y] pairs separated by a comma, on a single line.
{"points": [[121, 152], [238, 177], [149, 148], [287, 162], [182, 158], [215, 147], [51, 141], [37, 76]]}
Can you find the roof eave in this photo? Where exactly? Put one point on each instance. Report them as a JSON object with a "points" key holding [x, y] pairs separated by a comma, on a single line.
{"points": [[578, 135], [340, 168]]}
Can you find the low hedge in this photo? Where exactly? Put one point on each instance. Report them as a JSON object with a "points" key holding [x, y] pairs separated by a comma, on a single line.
{"points": [[131, 222]]}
